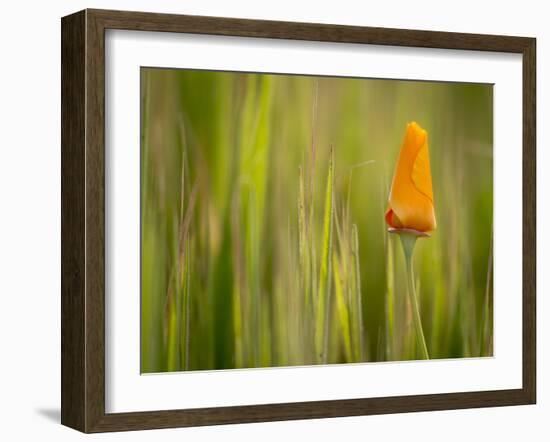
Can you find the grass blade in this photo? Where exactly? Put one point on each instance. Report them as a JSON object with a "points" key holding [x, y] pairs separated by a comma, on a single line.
{"points": [[357, 302], [342, 309], [323, 297]]}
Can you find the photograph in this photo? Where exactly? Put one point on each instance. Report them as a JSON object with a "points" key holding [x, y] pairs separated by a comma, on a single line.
{"points": [[299, 220], [243, 221]]}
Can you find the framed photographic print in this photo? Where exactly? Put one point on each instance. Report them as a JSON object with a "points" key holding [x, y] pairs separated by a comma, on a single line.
{"points": [[270, 220]]}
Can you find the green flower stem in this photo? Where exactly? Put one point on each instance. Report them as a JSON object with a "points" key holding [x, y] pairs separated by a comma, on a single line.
{"points": [[408, 242]]}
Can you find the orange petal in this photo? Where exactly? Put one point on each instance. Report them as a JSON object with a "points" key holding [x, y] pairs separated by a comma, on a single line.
{"points": [[421, 176], [392, 219], [411, 195]]}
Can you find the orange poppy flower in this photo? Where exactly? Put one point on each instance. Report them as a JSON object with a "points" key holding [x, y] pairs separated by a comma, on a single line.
{"points": [[411, 196]]}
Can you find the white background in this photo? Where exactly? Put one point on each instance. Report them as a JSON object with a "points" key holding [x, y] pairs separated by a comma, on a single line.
{"points": [[30, 221]]}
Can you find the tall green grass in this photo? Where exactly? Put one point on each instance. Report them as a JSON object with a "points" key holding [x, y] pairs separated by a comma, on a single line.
{"points": [[263, 241]]}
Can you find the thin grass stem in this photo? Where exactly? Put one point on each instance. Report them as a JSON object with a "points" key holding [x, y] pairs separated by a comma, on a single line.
{"points": [[408, 242]]}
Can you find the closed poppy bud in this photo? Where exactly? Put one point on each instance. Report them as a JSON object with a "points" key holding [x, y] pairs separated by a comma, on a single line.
{"points": [[411, 196]]}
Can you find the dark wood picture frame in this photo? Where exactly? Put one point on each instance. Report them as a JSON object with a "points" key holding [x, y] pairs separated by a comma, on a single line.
{"points": [[83, 220]]}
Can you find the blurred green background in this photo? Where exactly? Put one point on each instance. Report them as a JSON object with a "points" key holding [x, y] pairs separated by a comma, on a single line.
{"points": [[263, 241]]}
